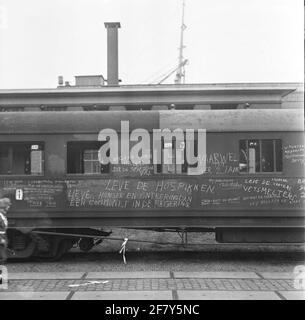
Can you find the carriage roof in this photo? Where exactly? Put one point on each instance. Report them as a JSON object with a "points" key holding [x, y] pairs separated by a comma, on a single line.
{"points": [[94, 121]]}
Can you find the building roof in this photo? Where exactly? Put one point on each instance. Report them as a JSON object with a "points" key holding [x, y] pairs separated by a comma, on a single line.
{"points": [[283, 88], [150, 94]]}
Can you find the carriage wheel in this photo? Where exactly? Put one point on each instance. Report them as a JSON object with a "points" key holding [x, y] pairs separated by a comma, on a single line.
{"points": [[86, 244]]}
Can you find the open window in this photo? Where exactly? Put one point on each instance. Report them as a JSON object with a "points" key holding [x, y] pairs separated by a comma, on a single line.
{"points": [[260, 155], [82, 158], [22, 158], [171, 151]]}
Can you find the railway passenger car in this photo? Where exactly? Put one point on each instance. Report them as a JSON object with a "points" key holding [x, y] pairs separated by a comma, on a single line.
{"points": [[252, 189]]}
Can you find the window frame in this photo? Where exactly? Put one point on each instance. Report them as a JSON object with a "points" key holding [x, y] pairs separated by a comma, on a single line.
{"points": [[260, 156], [184, 167], [81, 151], [11, 143]]}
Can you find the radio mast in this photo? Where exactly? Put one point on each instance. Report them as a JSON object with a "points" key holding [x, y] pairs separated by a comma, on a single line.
{"points": [[180, 74]]}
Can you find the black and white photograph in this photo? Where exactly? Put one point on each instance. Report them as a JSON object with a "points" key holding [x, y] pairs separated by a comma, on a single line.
{"points": [[152, 153]]}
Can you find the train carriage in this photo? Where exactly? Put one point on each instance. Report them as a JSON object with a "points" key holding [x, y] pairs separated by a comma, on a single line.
{"points": [[251, 188]]}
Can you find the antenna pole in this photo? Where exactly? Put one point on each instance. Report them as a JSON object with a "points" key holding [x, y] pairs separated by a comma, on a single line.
{"points": [[180, 75]]}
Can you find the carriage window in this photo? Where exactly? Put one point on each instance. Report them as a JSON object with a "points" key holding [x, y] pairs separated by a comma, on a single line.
{"points": [[168, 158], [21, 158], [169, 153], [82, 158], [260, 155]]}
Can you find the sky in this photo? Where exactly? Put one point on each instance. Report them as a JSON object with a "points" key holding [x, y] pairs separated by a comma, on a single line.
{"points": [[226, 40]]}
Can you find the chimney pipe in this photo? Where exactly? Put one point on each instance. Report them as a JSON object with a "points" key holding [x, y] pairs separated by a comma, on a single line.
{"points": [[60, 80], [112, 53]]}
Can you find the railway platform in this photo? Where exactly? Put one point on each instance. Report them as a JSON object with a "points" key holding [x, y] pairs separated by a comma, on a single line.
{"points": [[152, 285]]}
